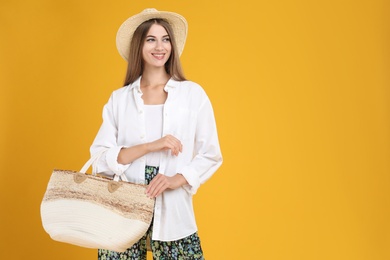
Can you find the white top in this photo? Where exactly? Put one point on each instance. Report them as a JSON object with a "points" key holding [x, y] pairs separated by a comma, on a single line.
{"points": [[188, 115], [153, 127]]}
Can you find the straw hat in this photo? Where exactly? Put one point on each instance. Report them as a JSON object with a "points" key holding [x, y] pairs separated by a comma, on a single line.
{"points": [[126, 30]]}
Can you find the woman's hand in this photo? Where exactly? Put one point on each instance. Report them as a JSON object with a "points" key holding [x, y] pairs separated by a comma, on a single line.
{"points": [[160, 183], [168, 142]]}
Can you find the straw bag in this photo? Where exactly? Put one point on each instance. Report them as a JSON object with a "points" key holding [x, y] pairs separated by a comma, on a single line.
{"points": [[95, 212]]}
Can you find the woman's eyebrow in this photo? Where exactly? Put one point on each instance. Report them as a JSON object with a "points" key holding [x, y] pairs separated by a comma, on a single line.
{"points": [[156, 37]]}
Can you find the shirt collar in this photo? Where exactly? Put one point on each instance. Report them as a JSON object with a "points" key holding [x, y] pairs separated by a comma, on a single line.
{"points": [[171, 84], [136, 85]]}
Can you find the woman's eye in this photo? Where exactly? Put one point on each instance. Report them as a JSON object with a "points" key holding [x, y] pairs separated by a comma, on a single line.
{"points": [[153, 39]]}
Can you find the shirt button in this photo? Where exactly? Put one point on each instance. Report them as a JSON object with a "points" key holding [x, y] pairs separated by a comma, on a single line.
{"points": [[141, 111], [142, 136]]}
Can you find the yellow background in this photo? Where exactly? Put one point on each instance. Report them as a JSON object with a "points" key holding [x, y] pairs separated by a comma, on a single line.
{"points": [[301, 96]]}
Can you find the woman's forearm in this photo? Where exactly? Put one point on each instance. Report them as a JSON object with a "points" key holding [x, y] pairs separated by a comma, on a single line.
{"points": [[168, 142], [130, 154]]}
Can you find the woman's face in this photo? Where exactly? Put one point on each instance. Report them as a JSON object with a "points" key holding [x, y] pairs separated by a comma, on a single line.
{"points": [[157, 47]]}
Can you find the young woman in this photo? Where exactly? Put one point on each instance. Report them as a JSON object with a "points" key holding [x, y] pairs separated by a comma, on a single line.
{"points": [[159, 129]]}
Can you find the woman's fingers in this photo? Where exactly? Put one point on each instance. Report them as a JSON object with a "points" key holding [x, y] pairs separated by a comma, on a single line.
{"points": [[172, 143], [159, 184]]}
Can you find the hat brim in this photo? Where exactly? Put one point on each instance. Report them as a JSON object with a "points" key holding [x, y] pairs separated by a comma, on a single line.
{"points": [[126, 30]]}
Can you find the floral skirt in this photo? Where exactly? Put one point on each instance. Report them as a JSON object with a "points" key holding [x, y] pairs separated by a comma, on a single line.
{"points": [[187, 248]]}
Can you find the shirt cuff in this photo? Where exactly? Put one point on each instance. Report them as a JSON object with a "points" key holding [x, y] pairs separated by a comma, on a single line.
{"points": [[112, 161], [192, 179]]}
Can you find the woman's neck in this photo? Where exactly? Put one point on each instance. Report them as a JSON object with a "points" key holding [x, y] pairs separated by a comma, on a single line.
{"points": [[153, 77]]}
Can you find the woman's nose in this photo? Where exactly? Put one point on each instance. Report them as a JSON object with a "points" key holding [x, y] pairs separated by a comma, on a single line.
{"points": [[159, 45]]}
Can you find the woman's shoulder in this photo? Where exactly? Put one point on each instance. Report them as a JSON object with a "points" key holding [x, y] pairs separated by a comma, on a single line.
{"points": [[192, 87], [119, 95], [190, 83], [121, 91]]}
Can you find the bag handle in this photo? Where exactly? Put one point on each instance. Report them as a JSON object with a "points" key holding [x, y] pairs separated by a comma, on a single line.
{"points": [[96, 158], [91, 160]]}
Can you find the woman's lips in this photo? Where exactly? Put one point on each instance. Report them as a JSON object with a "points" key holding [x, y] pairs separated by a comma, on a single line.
{"points": [[158, 56]]}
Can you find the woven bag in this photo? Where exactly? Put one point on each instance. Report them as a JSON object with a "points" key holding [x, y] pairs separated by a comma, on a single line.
{"points": [[95, 212]]}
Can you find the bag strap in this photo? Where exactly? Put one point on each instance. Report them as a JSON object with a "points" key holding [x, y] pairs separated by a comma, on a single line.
{"points": [[91, 160]]}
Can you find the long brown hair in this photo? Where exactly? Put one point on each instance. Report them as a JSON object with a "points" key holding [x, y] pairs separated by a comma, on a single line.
{"points": [[135, 65]]}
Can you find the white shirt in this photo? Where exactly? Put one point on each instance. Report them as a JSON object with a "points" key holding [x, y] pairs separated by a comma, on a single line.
{"points": [[154, 128], [187, 115]]}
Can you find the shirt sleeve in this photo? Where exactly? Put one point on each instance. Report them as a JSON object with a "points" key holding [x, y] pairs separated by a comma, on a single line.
{"points": [[207, 153], [106, 139]]}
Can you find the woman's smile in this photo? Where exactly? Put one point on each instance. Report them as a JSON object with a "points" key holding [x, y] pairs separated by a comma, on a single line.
{"points": [[158, 56]]}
